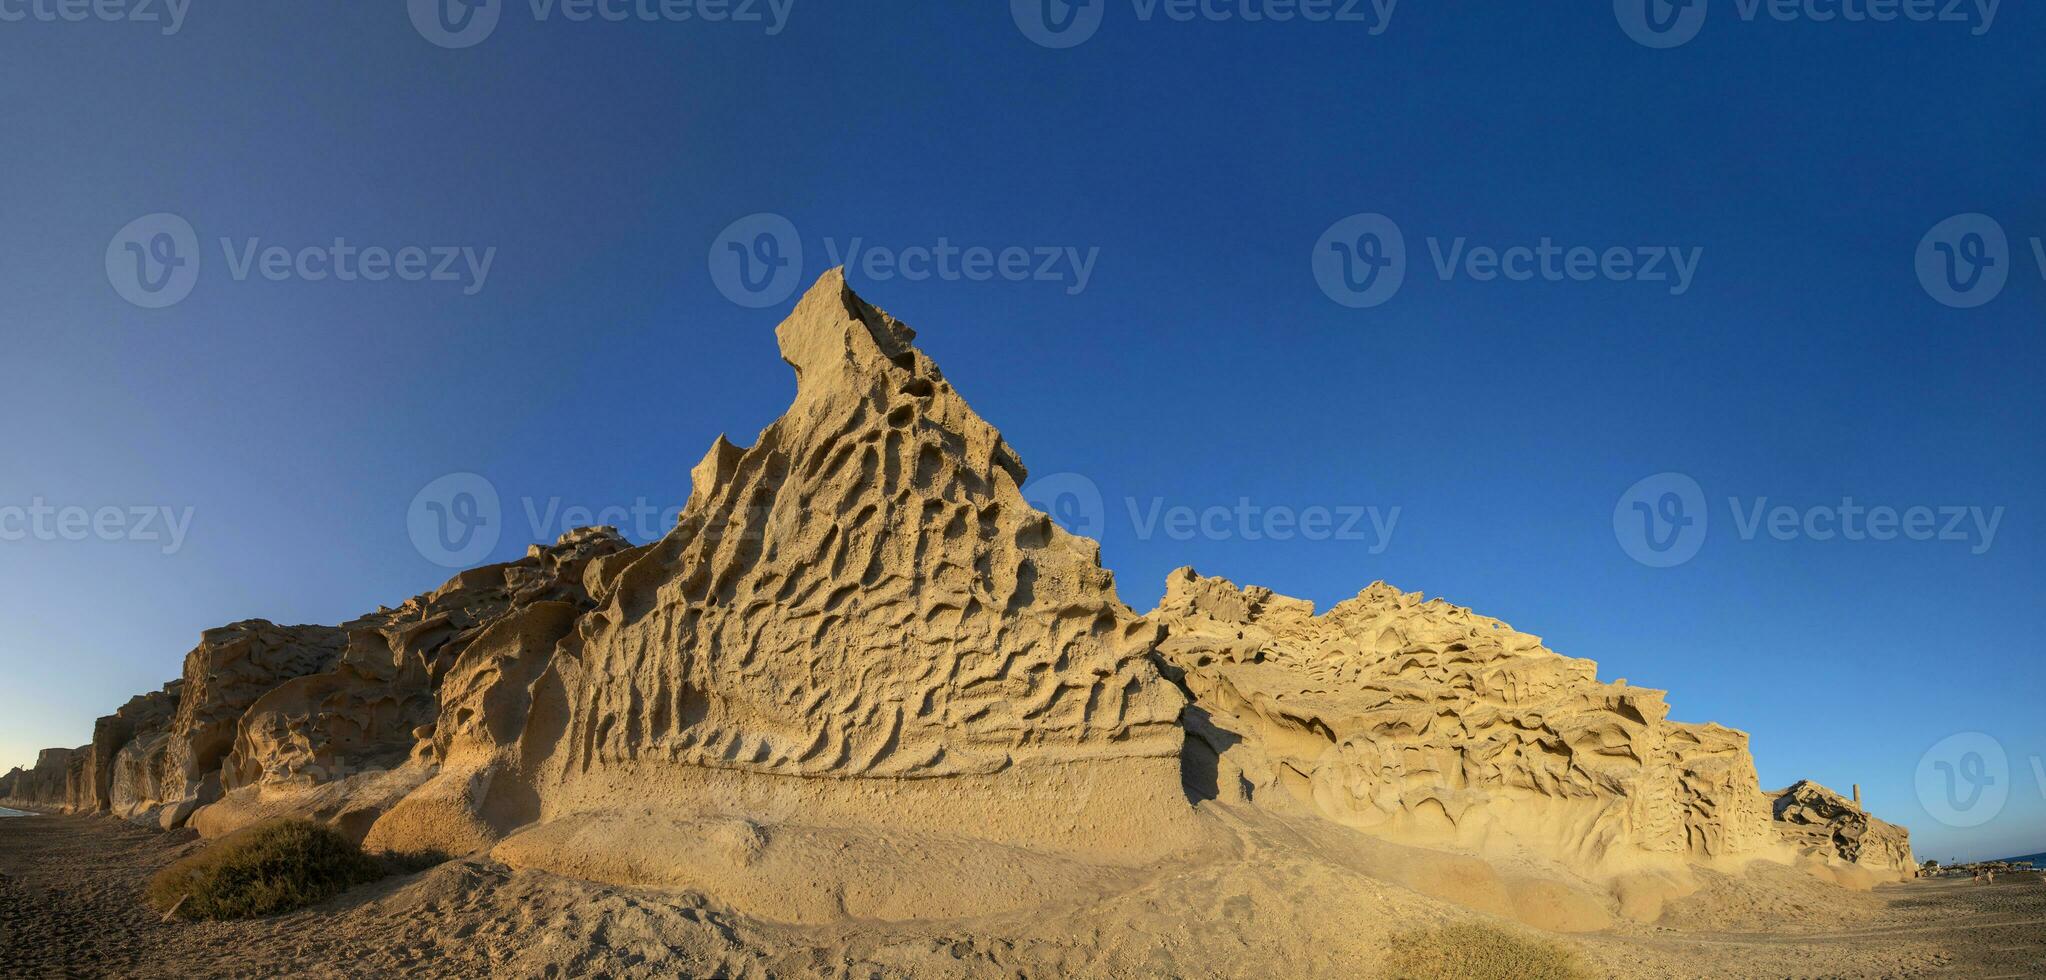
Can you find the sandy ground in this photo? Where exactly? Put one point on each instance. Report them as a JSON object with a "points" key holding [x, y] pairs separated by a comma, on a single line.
{"points": [[70, 905]]}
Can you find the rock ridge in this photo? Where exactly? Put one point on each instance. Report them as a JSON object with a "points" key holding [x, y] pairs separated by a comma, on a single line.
{"points": [[860, 636]]}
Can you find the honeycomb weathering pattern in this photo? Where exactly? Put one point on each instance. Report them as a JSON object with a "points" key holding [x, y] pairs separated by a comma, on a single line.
{"points": [[864, 592], [1421, 720]]}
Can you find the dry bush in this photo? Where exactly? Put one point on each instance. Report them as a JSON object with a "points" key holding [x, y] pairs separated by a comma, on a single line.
{"points": [[269, 868], [1471, 951]]}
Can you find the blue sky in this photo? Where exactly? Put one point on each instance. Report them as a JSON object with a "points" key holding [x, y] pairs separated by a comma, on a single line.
{"points": [[1199, 171]]}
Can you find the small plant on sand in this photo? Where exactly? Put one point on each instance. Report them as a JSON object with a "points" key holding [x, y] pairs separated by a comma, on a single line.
{"points": [[262, 870], [1471, 951]]}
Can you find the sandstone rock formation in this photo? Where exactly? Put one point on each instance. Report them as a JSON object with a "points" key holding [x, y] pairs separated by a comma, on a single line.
{"points": [[1423, 722], [53, 782], [144, 717], [864, 679], [859, 631], [336, 744], [1823, 824], [225, 674]]}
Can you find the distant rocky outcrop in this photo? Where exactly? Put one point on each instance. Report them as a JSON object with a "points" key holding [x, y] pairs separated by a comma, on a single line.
{"points": [[864, 679], [1823, 824], [56, 780]]}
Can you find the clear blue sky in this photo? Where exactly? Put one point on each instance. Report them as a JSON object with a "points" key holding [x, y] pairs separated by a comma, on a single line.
{"points": [[1202, 363]]}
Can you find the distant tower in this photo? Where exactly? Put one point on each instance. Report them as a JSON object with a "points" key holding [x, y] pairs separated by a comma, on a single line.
{"points": [[1857, 794]]}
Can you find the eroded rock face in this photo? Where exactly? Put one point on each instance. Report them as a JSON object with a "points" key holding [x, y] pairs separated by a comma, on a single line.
{"points": [[864, 679], [1423, 722], [378, 705], [859, 622], [865, 592], [145, 717], [346, 745], [1823, 823], [231, 668]]}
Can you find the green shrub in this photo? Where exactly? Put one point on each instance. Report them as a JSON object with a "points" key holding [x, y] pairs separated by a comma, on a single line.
{"points": [[269, 868], [1471, 951]]}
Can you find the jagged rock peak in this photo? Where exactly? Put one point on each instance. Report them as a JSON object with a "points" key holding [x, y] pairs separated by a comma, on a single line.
{"points": [[865, 590]]}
